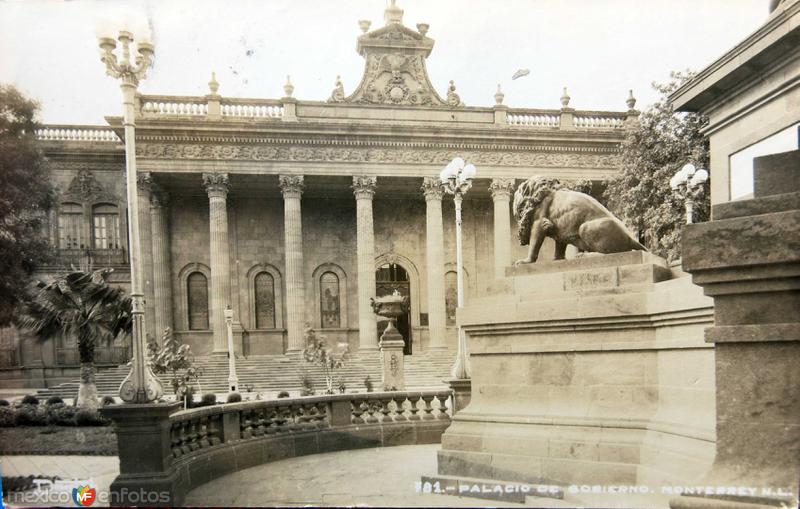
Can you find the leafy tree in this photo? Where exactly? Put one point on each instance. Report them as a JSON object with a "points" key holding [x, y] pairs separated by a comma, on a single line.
{"points": [[330, 360], [175, 359], [85, 306], [652, 153], [26, 195]]}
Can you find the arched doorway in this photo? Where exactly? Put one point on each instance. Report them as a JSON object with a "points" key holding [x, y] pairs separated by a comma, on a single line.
{"points": [[388, 278]]}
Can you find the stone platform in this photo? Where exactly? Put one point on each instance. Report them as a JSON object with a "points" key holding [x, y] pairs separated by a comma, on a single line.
{"points": [[587, 371]]}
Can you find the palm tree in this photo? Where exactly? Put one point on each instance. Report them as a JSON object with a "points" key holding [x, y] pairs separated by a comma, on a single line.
{"points": [[81, 305]]}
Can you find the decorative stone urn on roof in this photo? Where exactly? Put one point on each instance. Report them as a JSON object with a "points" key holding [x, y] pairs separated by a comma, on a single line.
{"points": [[391, 343]]}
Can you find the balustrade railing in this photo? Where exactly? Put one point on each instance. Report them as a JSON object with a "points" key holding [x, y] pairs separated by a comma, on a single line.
{"points": [[252, 109], [174, 107], [599, 121], [534, 119], [76, 133]]}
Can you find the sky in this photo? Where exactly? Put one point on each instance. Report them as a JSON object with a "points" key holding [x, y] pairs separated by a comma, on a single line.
{"points": [[598, 49]]}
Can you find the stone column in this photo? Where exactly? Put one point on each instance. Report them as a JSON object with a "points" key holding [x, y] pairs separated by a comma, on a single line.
{"points": [[144, 183], [364, 189], [434, 248], [162, 274], [501, 190], [217, 187], [292, 189]]}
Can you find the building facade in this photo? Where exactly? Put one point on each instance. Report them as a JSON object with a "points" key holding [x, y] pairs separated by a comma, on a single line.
{"points": [[297, 212]]}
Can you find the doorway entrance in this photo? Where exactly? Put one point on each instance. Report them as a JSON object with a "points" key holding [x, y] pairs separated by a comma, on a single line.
{"points": [[388, 278]]}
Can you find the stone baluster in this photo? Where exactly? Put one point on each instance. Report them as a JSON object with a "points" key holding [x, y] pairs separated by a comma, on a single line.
{"points": [[443, 406], [414, 409], [217, 186], [292, 188], [144, 183], [434, 248], [162, 275], [501, 190], [364, 190], [428, 415], [358, 411], [400, 411]]}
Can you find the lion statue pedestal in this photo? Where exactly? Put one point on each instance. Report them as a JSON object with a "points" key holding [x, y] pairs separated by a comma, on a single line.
{"points": [[584, 372]]}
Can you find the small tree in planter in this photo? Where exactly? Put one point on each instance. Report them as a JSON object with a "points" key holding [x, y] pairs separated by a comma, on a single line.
{"points": [[176, 360], [329, 359]]}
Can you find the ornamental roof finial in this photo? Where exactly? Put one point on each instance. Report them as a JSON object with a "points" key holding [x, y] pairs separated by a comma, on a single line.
{"points": [[393, 14], [565, 98], [631, 101], [213, 85]]}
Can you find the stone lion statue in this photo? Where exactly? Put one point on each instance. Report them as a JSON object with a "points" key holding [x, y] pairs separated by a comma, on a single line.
{"points": [[543, 207]]}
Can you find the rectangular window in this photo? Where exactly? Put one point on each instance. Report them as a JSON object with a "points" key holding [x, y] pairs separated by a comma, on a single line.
{"points": [[105, 223], [197, 290], [741, 163], [70, 227]]}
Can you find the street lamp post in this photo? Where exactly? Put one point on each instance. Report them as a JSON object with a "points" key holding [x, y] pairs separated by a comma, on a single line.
{"points": [[140, 386], [233, 380], [687, 184], [457, 178]]}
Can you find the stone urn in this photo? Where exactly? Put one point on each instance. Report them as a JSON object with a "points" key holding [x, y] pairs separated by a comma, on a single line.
{"points": [[390, 307], [391, 344]]}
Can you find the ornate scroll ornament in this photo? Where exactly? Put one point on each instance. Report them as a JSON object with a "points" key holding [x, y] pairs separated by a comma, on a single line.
{"points": [[144, 181], [544, 158], [85, 188], [291, 185], [432, 188], [502, 188], [453, 99], [337, 95], [216, 184], [158, 197], [364, 186]]}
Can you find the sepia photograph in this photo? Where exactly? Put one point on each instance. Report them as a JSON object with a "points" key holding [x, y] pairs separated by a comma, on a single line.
{"points": [[400, 253]]}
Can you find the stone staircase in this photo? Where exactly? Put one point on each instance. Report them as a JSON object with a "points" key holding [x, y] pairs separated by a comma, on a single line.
{"points": [[275, 373]]}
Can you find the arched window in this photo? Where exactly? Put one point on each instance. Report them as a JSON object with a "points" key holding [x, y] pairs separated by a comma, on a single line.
{"points": [[105, 227], [264, 288], [451, 296], [197, 299], [70, 226], [330, 317]]}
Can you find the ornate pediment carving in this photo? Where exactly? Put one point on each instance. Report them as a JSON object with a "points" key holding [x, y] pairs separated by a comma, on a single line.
{"points": [[85, 188], [394, 68]]}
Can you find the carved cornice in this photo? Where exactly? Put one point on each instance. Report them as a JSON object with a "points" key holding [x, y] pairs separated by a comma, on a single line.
{"points": [[502, 188], [364, 186], [581, 157], [291, 185], [432, 188], [216, 184]]}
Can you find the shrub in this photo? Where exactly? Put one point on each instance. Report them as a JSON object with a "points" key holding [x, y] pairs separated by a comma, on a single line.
{"points": [[89, 417], [208, 399], [54, 400], [30, 415], [4, 402], [234, 397], [30, 399], [61, 415], [6, 417], [283, 394], [107, 400]]}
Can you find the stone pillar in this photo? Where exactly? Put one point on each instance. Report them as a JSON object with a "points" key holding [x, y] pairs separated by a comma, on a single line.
{"points": [[501, 190], [292, 189], [748, 259], [434, 248], [392, 360], [364, 189], [144, 183], [162, 274], [217, 186]]}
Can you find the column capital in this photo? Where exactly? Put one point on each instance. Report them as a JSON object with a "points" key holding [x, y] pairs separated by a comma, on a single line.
{"points": [[144, 181], [502, 188], [216, 184], [158, 196], [433, 188], [364, 186], [291, 185]]}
